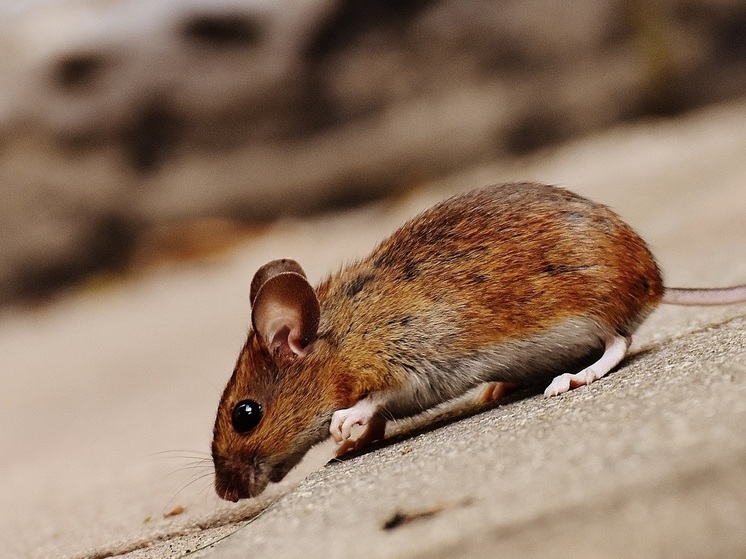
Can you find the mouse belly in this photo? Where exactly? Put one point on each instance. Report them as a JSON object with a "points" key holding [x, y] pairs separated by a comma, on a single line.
{"points": [[567, 347]]}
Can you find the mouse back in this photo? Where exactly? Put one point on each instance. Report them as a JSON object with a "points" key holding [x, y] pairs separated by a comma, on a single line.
{"points": [[508, 261]]}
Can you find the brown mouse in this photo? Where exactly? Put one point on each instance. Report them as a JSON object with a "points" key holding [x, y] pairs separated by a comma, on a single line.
{"points": [[524, 284]]}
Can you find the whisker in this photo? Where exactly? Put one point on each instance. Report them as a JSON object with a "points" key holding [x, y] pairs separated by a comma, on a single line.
{"points": [[192, 459], [187, 450], [199, 493], [197, 454], [202, 492], [192, 480], [190, 467]]}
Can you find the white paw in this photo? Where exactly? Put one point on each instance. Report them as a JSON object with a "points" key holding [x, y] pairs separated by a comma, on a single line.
{"points": [[563, 383], [614, 352], [343, 420], [559, 385]]}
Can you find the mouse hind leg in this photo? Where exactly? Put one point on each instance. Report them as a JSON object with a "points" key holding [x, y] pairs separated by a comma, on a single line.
{"points": [[614, 351], [493, 391]]}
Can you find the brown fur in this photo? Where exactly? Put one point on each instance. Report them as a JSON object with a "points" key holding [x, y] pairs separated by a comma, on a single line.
{"points": [[481, 271]]}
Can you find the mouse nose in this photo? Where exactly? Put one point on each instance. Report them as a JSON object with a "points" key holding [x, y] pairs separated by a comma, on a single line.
{"points": [[229, 483], [230, 488], [229, 494], [239, 477]]}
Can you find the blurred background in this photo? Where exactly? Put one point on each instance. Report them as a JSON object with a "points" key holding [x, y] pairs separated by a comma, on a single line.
{"points": [[153, 154], [133, 131]]}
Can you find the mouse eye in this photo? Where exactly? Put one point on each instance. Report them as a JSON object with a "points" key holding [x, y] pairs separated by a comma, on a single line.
{"points": [[246, 415]]}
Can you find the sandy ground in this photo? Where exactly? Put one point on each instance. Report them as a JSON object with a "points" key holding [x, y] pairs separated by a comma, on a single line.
{"points": [[109, 393]]}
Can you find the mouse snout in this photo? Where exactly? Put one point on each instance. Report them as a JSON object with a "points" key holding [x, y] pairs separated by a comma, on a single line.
{"points": [[236, 480], [227, 493]]}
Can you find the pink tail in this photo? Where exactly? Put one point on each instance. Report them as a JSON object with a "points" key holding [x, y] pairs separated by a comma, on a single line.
{"points": [[720, 296]]}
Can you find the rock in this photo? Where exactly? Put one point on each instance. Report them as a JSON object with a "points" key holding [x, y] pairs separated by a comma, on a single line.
{"points": [[118, 117]]}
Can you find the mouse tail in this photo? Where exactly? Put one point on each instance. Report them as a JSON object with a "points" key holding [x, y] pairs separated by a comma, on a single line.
{"points": [[717, 296]]}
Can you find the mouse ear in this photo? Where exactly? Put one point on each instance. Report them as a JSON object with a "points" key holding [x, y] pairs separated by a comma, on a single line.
{"points": [[285, 312], [272, 269]]}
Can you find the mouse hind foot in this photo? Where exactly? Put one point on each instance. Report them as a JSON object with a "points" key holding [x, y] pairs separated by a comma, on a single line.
{"points": [[615, 350], [493, 391]]}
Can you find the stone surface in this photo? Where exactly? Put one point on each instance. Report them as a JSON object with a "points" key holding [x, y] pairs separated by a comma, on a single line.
{"points": [[649, 462], [122, 116], [110, 391]]}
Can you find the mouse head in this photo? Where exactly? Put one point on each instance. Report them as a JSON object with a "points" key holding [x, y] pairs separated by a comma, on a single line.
{"points": [[274, 407]]}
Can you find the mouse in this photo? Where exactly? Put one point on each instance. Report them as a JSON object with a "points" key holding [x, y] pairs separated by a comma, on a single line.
{"points": [[518, 284]]}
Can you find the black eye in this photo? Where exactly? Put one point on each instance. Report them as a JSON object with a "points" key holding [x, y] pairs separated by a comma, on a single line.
{"points": [[246, 415]]}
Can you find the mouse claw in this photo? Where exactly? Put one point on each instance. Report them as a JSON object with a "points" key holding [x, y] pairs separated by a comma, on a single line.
{"points": [[364, 413], [345, 448], [343, 420], [375, 430], [615, 350], [559, 385]]}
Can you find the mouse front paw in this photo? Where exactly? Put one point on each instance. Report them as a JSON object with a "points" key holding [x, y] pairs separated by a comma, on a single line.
{"points": [[361, 413], [364, 413]]}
